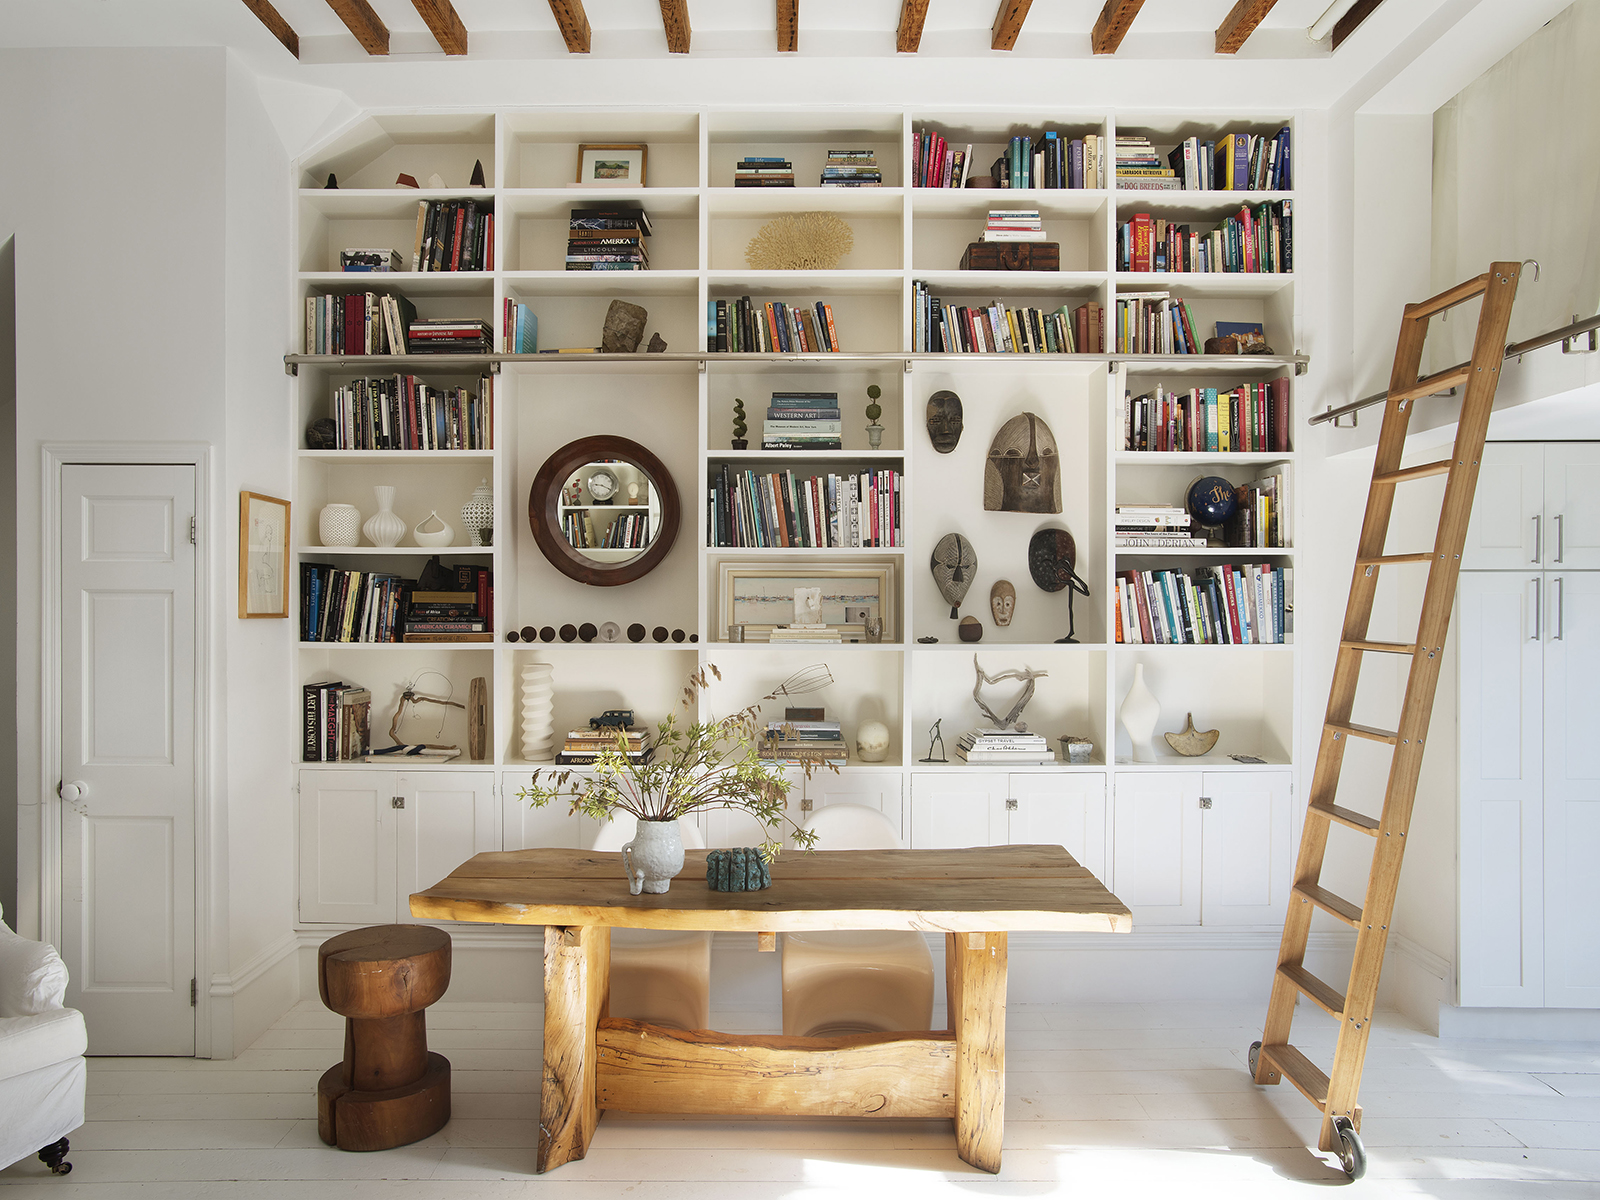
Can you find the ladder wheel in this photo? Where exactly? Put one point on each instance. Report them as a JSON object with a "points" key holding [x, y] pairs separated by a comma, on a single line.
{"points": [[1255, 1058], [1352, 1154]]}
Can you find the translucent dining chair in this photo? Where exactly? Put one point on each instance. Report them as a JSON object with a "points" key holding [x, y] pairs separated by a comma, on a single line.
{"points": [[855, 981], [659, 975]]}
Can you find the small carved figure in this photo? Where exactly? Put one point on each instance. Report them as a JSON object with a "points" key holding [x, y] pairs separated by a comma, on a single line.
{"points": [[1002, 602], [935, 737]]}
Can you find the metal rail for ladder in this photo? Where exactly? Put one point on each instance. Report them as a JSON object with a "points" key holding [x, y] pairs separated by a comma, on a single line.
{"points": [[1273, 1058]]}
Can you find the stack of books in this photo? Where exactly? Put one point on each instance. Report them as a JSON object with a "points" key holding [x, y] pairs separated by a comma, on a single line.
{"points": [[358, 323], [1250, 417], [805, 635], [1013, 225], [1154, 323], [338, 605], [803, 421], [449, 335], [445, 617], [336, 722], [1154, 525], [805, 741], [1004, 746], [1233, 604], [762, 171], [607, 239], [779, 509], [359, 259], [400, 412], [583, 746], [453, 235], [851, 168], [1140, 168]]}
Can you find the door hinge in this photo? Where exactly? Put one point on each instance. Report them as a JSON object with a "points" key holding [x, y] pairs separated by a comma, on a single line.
{"points": [[397, 801], [1205, 801], [194, 993], [192, 541]]}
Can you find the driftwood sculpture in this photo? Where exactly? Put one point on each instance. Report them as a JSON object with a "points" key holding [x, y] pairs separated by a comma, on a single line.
{"points": [[1010, 720]]}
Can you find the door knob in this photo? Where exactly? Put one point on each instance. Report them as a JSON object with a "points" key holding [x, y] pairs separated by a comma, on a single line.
{"points": [[72, 792]]}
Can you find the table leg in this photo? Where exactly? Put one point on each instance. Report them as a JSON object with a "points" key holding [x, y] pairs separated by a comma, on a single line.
{"points": [[577, 972], [975, 976]]}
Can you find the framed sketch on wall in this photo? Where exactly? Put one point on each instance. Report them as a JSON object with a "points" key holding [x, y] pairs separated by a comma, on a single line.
{"points": [[617, 165], [759, 596], [263, 556]]}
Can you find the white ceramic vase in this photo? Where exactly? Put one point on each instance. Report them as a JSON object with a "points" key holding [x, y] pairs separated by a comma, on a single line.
{"points": [[339, 525], [441, 536], [1138, 713], [477, 514], [653, 857], [538, 712], [384, 528]]}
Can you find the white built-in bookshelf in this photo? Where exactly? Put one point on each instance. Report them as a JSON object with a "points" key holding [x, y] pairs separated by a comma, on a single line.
{"points": [[679, 405]]}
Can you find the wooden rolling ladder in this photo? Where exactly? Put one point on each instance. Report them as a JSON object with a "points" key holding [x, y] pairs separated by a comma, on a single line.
{"points": [[1273, 1058]]}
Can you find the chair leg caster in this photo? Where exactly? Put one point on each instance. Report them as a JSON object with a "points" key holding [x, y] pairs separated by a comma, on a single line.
{"points": [[54, 1156]]}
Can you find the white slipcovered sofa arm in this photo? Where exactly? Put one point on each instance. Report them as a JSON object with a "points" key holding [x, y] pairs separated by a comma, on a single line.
{"points": [[33, 979], [42, 1040]]}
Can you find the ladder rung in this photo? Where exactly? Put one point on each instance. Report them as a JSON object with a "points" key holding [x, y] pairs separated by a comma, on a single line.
{"points": [[1389, 560], [1346, 816], [1381, 647], [1459, 294], [1334, 906], [1422, 471], [1369, 732], [1326, 998], [1429, 384], [1300, 1071]]}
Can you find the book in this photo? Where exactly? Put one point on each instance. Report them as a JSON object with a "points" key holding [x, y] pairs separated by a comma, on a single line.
{"points": [[780, 509], [938, 327], [370, 260]]}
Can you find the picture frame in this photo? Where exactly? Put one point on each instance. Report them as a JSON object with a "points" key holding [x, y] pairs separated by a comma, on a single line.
{"points": [[263, 556], [612, 164], [760, 596]]}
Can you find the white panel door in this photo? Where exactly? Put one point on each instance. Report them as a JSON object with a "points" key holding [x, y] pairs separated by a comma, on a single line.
{"points": [[954, 809], [1061, 810], [522, 826], [1501, 765], [1572, 505], [1508, 531], [347, 846], [127, 619], [1246, 847], [1155, 841], [871, 789], [448, 817], [1572, 791]]}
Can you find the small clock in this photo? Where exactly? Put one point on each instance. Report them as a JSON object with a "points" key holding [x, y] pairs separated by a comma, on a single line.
{"points": [[602, 486]]}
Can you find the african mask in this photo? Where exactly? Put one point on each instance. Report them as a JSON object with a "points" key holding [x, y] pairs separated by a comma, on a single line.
{"points": [[1002, 602], [954, 564], [944, 421], [1052, 561], [1023, 473]]}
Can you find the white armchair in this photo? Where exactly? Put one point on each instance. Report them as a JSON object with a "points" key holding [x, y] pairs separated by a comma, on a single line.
{"points": [[42, 1069]]}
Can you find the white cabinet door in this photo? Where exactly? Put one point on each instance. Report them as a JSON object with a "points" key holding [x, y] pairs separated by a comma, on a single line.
{"points": [[1246, 847], [448, 817], [956, 809], [1508, 530], [1063, 810], [1501, 763], [1155, 865], [1572, 791], [871, 789], [1572, 505], [522, 826], [347, 846]]}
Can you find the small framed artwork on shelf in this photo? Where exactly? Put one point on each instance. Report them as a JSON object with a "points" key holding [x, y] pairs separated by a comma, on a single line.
{"points": [[263, 556], [809, 605], [611, 165]]}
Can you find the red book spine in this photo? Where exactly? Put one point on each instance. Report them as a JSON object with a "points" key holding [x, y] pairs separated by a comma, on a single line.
{"points": [[1141, 241]]}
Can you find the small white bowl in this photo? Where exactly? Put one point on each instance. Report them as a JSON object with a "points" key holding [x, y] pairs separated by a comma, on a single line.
{"points": [[439, 537]]}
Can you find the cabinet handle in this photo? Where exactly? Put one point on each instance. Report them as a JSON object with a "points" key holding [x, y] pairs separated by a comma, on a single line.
{"points": [[1561, 537], [1561, 608], [1205, 802], [397, 801], [1538, 606], [1011, 805], [1538, 539]]}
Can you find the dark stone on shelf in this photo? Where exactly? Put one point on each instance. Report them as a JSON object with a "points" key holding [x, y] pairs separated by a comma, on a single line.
{"points": [[677, 635], [659, 633], [405, 180], [623, 328], [658, 344], [477, 175], [512, 635], [587, 632], [529, 633], [970, 629], [694, 637], [547, 634], [636, 632], [928, 641], [569, 633], [322, 434]]}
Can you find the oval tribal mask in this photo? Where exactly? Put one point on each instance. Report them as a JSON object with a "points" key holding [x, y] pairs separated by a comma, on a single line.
{"points": [[1023, 470]]}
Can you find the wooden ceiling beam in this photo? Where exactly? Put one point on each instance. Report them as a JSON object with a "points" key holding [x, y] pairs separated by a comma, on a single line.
{"points": [[908, 37], [275, 24], [788, 26], [1112, 27], [574, 23], [1008, 23], [446, 26], [359, 18], [1240, 23], [675, 23], [1347, 24]]}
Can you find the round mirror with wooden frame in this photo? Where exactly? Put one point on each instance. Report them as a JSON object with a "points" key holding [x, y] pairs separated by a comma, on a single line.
{"points": [[604, 510]]}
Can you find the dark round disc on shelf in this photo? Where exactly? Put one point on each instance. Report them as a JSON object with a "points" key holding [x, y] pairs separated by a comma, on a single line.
{"points": [[512, 635], [677, 635], [547, 634], [529, 633], [694, 637], [587, 632], [569, 633], [659, 633], [636, 632]]}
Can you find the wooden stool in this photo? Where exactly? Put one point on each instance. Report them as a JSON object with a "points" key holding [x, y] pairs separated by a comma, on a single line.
{"points": [[390, 1089]]}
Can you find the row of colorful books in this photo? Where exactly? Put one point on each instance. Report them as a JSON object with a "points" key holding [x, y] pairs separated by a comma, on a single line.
{"points": [[1234, 604], [1259, 239], [360, 323], [626, 531], [1050, 160], [942, 327], [770, 327], [343, 605], [336, 722], [400, 412], [1154, 323], [777, 509], [607, 239], [453, 235], [1234, 162], [803, 421], [1252, 417], [519, 328]]}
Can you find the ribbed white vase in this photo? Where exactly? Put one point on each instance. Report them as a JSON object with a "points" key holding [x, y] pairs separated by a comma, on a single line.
{"points": [[384, 527], [538, 713]]}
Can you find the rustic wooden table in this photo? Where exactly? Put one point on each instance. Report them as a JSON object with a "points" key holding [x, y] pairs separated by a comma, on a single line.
{"points": [[592, 1063]]}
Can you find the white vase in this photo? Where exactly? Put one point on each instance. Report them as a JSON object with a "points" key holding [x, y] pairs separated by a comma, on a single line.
{"points": [[1138, 713], [384, 528], [477, 514], [339, 525], [653, 857], [538, 712], [441, 536]]}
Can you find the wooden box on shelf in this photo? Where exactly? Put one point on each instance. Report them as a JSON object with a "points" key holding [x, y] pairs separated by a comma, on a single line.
{"points": [[1012, 256]]}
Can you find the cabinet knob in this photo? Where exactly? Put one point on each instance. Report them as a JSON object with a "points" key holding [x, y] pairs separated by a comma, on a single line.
{"points": [[1011, 805], [397, 801], [1205, 801]]}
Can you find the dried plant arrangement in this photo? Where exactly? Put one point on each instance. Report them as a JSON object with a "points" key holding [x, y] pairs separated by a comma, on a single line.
{"points": [[811, 241]]}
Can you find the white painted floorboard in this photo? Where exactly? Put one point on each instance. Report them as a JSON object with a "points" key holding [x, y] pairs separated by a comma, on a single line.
{"points": [[1121, 1101]]}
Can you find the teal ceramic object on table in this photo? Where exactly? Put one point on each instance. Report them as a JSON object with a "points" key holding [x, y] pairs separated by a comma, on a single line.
{"points": [[738, 870], [1210, 500]]}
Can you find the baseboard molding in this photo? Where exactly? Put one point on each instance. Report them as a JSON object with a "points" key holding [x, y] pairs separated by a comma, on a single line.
{"points": [[1416, 981], [1520, 1024], [245, 1003]]}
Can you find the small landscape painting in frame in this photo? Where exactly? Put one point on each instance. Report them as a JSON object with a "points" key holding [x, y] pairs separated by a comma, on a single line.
{"points": [[761, 596], [263, 556], [611, 165]]}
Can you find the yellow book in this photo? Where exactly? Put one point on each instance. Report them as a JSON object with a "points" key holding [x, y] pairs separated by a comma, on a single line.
{"points": [[1224, 420]]}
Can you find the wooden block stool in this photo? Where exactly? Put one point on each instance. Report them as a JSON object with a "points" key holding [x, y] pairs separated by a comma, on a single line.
{"points": [[390, 1089]]}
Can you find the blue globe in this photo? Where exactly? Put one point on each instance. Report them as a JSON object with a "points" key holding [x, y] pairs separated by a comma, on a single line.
{"points": [[1210, 500]]}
